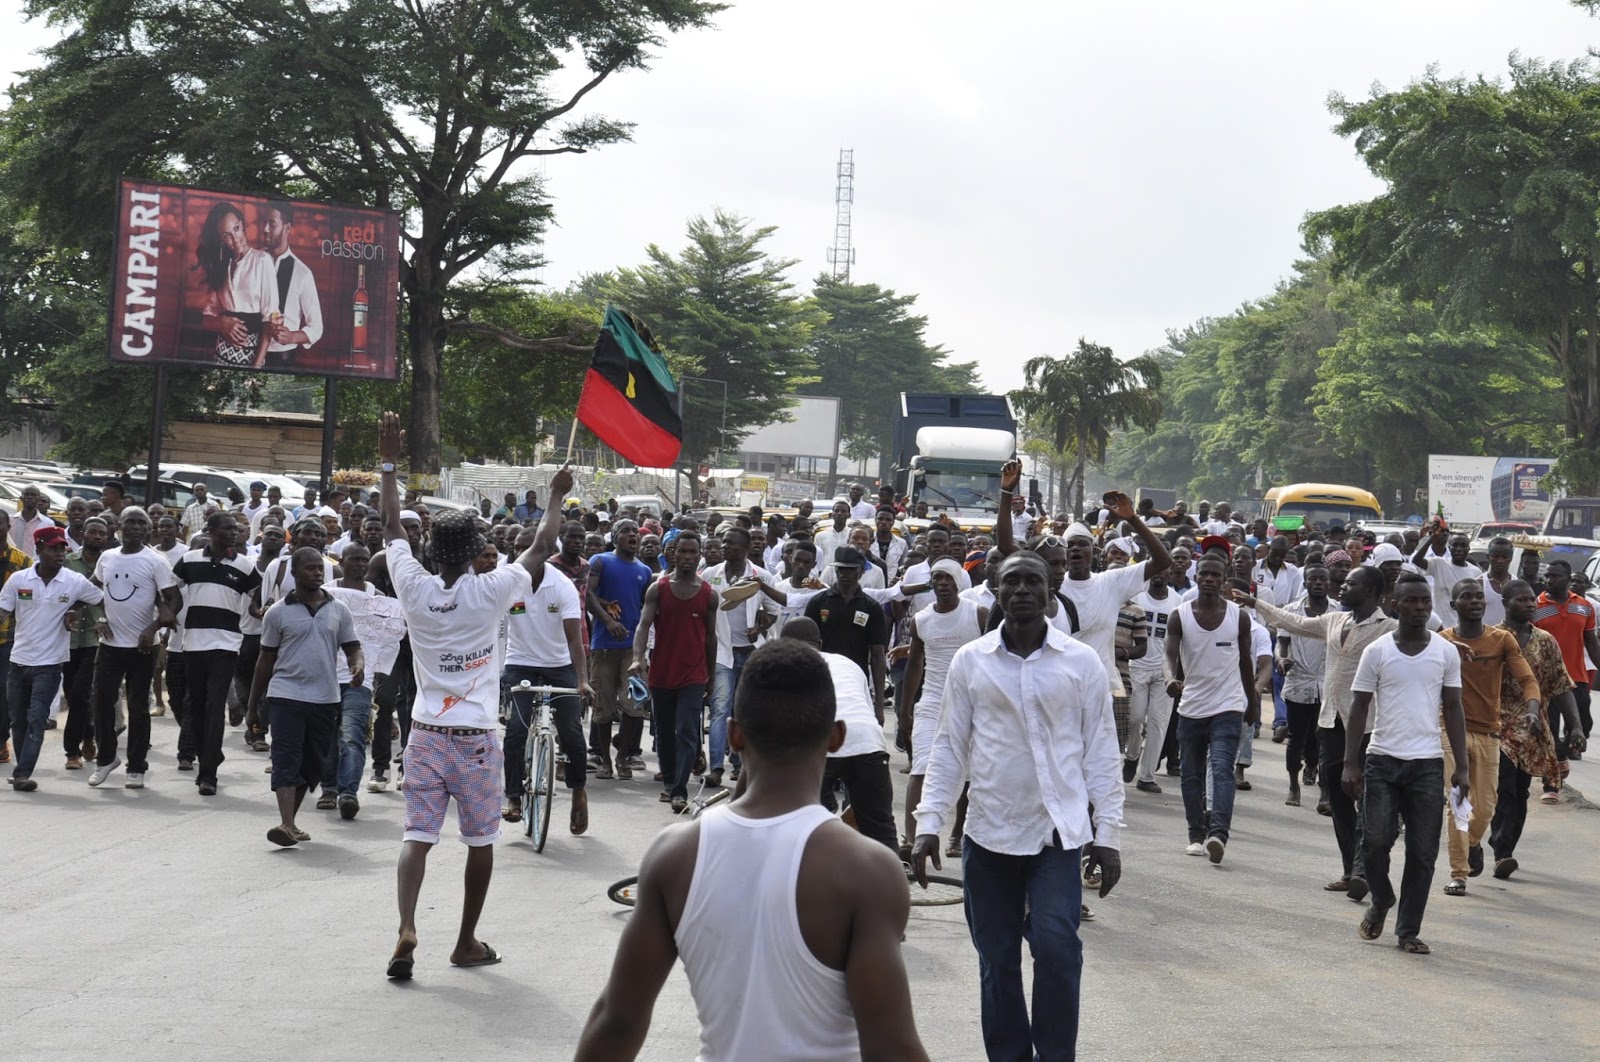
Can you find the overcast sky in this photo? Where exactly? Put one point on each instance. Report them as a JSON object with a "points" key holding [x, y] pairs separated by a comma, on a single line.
{"points": [[1034, 171]]}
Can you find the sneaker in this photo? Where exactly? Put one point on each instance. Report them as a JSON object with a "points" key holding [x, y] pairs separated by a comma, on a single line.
{"points": [[636, 763], [185, 765], [74, 763], [1215, 846], [135, 780], [327, 801], [1085, 915], [1195, 849], [101, 773], [603, 772], [24, 785], [714, 779], [594, 761], [1148, 787], [1279, 734], [1129, 769], [379, 783], [348, 806], [208, 789], [666, 796], [1504, 868]]}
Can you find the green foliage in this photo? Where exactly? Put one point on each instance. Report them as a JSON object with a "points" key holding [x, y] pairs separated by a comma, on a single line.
{"points": [[724, 311], [434, 109], [868, 350], [1079, 399], [1491, 212], [1334, 380]]}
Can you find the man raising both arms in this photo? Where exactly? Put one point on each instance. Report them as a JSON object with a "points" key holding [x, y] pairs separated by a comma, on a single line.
{"points": [[819, 908], [454, 751]]}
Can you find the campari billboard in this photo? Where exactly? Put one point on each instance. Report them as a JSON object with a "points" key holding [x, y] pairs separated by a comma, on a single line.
{"points": [[222, 280]]}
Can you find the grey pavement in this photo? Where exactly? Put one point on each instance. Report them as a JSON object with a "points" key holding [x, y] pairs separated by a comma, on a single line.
{"points": [[156, 925]]}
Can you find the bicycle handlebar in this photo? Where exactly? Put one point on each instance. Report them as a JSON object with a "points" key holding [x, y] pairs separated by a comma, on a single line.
{"points": [[525, 687]]}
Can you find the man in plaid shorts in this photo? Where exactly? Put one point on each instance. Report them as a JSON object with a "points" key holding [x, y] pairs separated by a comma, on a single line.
{"points": [[454, 751]]}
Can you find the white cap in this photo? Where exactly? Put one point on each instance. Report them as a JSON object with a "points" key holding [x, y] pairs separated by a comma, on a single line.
{"points": [[410, 516]]}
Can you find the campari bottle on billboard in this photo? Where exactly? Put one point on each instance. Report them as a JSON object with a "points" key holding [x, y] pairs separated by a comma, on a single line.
{"points": [[260, 283]]}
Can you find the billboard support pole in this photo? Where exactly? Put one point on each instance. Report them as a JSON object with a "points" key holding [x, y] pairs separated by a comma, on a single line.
{"points": [[330, 418], [158, 413]]}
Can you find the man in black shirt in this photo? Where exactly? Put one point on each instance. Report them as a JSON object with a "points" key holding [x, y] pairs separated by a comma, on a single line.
{"points": [[852, 624]]}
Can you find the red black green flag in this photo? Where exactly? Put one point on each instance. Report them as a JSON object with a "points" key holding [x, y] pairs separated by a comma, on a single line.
{"points": [[629, 399]]}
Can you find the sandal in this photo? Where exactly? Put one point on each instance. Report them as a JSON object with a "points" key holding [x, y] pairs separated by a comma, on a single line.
{"points": [[1457, 887], [1371, 927], [1413, 946], [512, 813]]}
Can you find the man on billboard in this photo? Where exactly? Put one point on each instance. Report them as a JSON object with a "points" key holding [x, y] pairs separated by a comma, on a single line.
{"points": [[297, 322]]}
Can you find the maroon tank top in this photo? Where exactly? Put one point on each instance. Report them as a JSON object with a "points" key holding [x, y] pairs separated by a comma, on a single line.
{"points": [[679, 658]]}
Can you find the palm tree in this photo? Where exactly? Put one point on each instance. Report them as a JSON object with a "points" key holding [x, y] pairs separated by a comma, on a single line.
{"points": [[1080, 398]]}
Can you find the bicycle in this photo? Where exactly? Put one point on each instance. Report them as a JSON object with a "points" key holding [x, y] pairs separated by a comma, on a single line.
{"points": [[539, 758], [941, 891]]}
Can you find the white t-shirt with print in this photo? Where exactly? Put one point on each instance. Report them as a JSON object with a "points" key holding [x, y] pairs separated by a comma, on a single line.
{"points": [[535, 631], [454, 633], [131, 582]]}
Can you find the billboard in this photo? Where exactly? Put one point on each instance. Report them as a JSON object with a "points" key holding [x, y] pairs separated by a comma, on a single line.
{"points": [[1479, 489], [812, 430], [222, 280]]}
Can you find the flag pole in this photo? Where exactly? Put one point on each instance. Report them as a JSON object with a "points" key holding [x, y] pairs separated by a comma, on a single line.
{"points": [[572, 440]]}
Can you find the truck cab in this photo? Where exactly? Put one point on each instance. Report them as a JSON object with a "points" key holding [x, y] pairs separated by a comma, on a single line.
{"points": [[948, 453]]}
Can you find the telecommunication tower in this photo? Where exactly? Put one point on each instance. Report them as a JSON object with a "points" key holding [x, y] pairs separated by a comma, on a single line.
{"points": [[841, 256]]}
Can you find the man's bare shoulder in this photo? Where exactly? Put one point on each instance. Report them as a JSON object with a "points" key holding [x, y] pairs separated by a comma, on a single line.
{"points": [[857, 866]]}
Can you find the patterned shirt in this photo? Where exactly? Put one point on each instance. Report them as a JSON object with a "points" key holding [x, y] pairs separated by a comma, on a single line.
{"points": [[1532, 748]]}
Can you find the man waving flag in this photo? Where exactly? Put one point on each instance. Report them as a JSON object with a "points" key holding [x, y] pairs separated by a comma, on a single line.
{"points": [[629, 399]]}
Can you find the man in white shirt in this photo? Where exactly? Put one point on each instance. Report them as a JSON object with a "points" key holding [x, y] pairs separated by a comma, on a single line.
{"points": [[1402, 679], [739, 625], [30, 519], [1278, 583], [836, 533], [862, 762], [1445, 566], [1021, 520], [1219, 522], [44, 599], [1027, 717], [194, 514], [860, 507], [453, 751], [141, 598], [299, 324]]}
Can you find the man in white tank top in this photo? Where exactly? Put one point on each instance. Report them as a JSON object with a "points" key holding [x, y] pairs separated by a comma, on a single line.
{"points": [[936, 634], [1212, 666], [787, 921]]}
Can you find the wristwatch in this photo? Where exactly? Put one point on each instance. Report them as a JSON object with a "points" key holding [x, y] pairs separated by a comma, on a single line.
{"points": [[387, 466]]}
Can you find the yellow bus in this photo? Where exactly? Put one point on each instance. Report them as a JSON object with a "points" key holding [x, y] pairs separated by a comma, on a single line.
{"points": [[1322, 504]]}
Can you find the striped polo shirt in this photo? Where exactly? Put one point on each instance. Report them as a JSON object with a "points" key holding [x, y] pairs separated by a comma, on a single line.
{"points": [[216, 593]]}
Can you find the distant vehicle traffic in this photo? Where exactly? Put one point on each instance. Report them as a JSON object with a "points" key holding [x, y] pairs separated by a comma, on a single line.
{"points": [[1322, 504]]}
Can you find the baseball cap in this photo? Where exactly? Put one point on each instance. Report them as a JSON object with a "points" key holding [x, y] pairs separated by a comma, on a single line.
{"points": [[1216, 542], [848, 557], [49, 536]]}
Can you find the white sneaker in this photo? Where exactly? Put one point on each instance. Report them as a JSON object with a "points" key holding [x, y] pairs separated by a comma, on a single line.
{"points": [[135, 780], [1215, 846], [1195, 848], [102, 773], [379, 783]]}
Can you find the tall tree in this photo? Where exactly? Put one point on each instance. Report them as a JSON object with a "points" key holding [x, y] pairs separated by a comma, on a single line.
{"points": [[434, 109], [728, 314], [1079, 399], [1491, 212], [868, 350]]}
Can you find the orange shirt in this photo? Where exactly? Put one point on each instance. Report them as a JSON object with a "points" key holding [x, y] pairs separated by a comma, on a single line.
{"points": [[1567, 621], [1485, 660]]}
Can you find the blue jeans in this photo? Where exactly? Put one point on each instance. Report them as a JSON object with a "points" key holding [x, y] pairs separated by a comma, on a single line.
{"points": [[1280, 710], [677, 713], [723, 686], [355, 719], [1036, 897], [30, 690], [1391, 790], [1218, 735]]}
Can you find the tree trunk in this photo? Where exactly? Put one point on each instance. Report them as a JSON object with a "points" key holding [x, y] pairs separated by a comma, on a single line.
{"points": [[424, 329], [1078, 472]]}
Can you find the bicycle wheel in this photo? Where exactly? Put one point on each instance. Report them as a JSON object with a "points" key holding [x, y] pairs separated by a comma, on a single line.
{"points": [[624, 891], [541, 788], [530, 748], [941, 891]]}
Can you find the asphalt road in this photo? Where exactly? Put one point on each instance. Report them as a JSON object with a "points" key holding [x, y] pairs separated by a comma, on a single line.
{"points": [[151, 924]]}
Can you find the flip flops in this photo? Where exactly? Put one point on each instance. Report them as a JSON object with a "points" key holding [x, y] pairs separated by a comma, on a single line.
{"points": [[489, 958], [281, 837], [400, 968]]}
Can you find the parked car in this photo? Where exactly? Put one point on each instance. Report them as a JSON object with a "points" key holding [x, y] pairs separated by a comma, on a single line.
{"points": [[1478, 547]]}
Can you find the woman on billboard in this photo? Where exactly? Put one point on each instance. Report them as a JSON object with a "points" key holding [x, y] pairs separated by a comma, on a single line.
{"points": [[242, 292]]}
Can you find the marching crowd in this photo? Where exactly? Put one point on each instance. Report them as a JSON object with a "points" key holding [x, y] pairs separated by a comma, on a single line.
{"points": [[1032, 674]]}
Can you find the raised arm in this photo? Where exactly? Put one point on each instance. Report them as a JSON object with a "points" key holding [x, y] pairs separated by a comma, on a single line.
{"points": [[1122, 509], [1005, 540], [390, 439], [544, 539]]}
